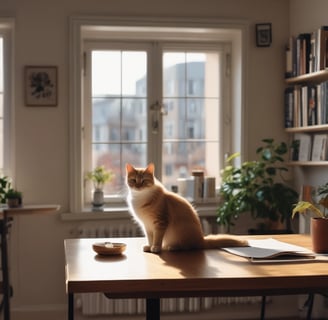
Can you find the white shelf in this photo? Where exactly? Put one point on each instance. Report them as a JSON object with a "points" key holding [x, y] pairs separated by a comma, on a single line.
{"points": [[314, 77], [308, 163], [316, 128]]}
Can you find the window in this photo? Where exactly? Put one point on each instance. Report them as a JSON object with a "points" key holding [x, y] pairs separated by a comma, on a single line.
{"points": [[154, 94], [6, 94]]}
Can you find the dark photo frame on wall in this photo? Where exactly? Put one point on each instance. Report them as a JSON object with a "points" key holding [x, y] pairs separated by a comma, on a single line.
{"points": [[263, 34], [41, 86]]}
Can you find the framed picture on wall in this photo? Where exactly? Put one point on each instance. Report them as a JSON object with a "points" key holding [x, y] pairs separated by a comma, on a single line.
{"points": [[263, 34], [41, 86]]}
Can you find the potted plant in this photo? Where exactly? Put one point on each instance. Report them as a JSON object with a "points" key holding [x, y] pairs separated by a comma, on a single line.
{"points": [[14, 198], [319, 219], [99, 176], [4, 186], [257, 187]]}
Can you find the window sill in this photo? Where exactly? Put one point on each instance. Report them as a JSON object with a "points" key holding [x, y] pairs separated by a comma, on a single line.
{"points": [[204, 209], [105, 214]]}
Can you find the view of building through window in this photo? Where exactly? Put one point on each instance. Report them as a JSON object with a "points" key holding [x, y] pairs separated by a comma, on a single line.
{"points": [[185, 121], [191, 123]]}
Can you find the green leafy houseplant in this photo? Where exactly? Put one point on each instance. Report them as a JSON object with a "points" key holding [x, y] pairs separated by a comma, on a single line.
{"points": [[257, 187], [319, 209], [13, 194], [5, 185], [319, 219], [14, 198], [100, 176]]}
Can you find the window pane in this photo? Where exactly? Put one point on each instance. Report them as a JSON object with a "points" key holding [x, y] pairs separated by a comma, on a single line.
{"points": [[191, 126], [105, 119], [106, 73], [134, 66], [175, 119], [119, 112], [134, 120], [115, 156], [174, 64]]}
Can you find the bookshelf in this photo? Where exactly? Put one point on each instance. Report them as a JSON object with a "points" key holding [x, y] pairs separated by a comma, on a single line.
{"points": [[306, 97]]}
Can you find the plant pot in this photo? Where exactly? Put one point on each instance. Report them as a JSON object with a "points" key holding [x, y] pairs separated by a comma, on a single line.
{"points": [[319, 234], [14, 202], [98, 198]]}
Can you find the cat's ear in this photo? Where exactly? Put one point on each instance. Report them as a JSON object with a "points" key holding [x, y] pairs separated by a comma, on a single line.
{"points": [[129, 167], [151, 168]]}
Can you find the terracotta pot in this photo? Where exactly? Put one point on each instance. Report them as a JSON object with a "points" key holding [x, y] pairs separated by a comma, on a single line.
{"points": [[319, 234]]}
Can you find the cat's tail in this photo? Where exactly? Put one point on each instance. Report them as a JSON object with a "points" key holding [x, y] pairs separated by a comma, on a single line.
{"points": [[216, 241]]}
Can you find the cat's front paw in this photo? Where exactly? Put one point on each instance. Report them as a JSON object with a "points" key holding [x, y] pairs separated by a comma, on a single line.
{"points": [[155, 249], [146, 248]]}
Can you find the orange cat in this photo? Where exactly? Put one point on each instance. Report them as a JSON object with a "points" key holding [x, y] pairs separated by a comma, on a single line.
{"points": [[169, 221]]}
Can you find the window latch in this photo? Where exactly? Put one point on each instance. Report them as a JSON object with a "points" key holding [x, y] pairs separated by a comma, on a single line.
{"points": [[158, 109]]}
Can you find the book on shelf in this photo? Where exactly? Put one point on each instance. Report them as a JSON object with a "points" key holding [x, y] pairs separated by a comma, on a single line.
{"points": [[306, 105], [289, 107], [297, 106], [303, 47], [291, 58], [320, 43], [322, 103], [312, 106], [305, 145], [319, 147], [307, 52], [272, 250]]}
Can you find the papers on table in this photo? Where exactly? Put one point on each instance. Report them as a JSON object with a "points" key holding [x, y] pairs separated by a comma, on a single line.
{"points": [[271, 250]]}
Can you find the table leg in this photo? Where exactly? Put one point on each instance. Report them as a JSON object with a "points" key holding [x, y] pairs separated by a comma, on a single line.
{"points": [[5, 269], [70, 306], [263, 305], [153, 309]]}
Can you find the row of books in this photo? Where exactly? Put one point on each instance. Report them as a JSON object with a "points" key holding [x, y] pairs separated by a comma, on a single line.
{"points": [[307, 52], [307, 147], [306, 105]]}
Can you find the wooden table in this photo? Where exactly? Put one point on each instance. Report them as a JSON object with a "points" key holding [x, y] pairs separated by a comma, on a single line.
{"points": [[137, 274], [6, 216]]}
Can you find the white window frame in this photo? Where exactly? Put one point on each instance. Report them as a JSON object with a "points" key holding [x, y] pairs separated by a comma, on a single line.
{"points": [[83, 28], [7, 33]]}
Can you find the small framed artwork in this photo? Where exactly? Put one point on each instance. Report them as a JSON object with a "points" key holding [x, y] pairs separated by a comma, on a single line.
{"points": [[41, 86], [263, 34]]}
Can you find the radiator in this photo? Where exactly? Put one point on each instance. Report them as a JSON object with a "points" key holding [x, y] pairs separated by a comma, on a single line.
{"points": [[92, 304]]}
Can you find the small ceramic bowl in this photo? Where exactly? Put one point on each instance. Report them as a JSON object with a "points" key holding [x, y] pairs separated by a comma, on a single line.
{"points": [[109, 248]]}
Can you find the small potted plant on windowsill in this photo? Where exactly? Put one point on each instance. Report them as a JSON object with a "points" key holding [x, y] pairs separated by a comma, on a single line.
{"points": [[14, 198], [319, 219], [99, 176]]}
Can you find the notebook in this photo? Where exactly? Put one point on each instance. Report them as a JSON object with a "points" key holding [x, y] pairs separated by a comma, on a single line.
{"points": [[272, 250]]}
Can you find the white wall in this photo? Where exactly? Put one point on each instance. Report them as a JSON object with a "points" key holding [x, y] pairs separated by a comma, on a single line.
{"points": [[42, 134]]}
